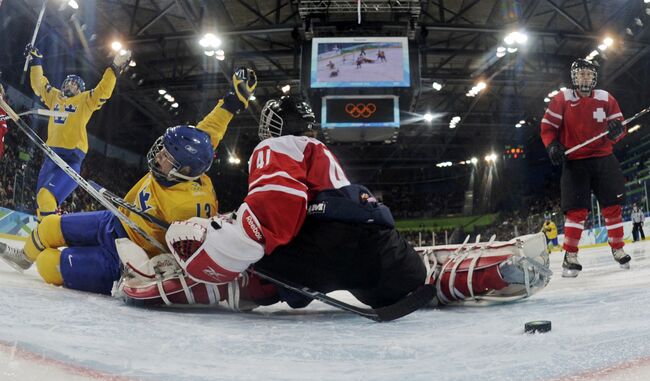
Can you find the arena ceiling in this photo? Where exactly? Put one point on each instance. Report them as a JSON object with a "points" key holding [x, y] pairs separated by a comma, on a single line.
{"points": [[457, 42]]}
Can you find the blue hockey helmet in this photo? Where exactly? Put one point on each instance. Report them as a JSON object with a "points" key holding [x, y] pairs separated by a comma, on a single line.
{"points": [[67, 85], [187, 150]]}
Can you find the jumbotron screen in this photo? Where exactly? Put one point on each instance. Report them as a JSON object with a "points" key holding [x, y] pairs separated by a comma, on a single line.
{"points": [[360, 62], [360, 111]]}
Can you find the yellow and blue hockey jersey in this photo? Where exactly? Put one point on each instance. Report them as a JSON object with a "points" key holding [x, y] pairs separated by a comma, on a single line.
{"points": [[69, 132], [180, 201]]}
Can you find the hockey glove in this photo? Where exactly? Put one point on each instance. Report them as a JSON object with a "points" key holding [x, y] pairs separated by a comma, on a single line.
{"points": [[244, 82], [120, 62], [615, 129], [556, 152], [34, 55]]}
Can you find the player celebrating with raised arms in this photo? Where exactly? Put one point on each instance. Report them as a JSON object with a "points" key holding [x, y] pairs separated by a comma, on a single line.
{"points": [[304, 222], [67, 135], [574, 116], [175, 188]]}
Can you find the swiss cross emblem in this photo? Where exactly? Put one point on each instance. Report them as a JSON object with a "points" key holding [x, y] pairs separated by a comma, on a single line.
{"points": [[600, 115]]}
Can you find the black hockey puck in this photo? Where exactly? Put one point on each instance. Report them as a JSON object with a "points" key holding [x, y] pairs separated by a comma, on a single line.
{"points": [[540, 326]]}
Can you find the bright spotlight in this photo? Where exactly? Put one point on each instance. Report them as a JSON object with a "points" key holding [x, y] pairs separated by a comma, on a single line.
{"points": [[116, 46], [286, 88], [175, 105], [252, 98], [608, 41], [162, 91], [501, 54], [436, 86], [636, 126], [602, 47], [509, 39], [501, 49], [547, 99], [123, 52], [512, 50], [518, 125], [428, 117], [220, 55], [521, 38], [522, 122], [73, 4], [480, 86], [474, 160], [209, 40], [132, 63], [208, 53]]}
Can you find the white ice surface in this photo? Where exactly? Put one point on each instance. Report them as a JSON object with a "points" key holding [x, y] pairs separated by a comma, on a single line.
{"points": [[601, 331]]}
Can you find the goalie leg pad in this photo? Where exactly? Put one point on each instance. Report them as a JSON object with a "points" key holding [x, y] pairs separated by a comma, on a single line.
{"points": [[170, 287], [489, 272]]}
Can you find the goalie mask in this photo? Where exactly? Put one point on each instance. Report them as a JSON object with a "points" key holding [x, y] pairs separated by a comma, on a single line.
{"points": [[286, 116], [73, 85], [182, 153], [584, 75]]}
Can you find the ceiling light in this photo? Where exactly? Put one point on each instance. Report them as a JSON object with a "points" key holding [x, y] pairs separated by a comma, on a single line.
{"points": [[286, 88], [602, 47], [474, 160], [501, 54], [175, 105], [252, 98], [162, 91], [512, 50], [208, 53], [132, 63], [73, 4], [116, 46], [209, 40], [501, 49], [608, 41], [436, 86], [635, 127], [547, 99]]}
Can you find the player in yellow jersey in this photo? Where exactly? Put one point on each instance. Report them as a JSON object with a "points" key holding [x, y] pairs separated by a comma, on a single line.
{"points": [[67, 135], [550, 231], [175, 188]]}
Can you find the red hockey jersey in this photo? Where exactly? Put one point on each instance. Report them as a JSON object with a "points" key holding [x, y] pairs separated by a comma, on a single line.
{"points": [[572, 119], [285, 174]]}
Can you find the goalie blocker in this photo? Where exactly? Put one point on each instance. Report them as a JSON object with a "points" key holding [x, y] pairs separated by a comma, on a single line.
{"points": [[477, 273]]}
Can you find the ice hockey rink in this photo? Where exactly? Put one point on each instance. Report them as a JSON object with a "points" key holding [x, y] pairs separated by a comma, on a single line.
{"points": [[600, 320]]}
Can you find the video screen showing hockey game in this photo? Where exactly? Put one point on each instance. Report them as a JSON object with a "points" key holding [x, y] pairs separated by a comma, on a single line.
{"points": [[360, 62]]}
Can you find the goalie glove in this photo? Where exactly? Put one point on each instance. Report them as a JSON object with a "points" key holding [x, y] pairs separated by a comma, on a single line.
{"points": [[217, 253], [120, 62]]}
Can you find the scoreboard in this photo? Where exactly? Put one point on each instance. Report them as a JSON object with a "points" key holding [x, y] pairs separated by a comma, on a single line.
{"points": [[514, 152]]}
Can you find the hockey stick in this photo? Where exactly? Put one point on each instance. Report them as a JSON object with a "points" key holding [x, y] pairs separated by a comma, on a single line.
{"points": [[38, 26], [414, 301], [39, 111], [625, 122], [74, 175]]}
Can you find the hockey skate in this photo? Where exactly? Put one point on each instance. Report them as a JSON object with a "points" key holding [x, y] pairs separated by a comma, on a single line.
{"points": [[14, 257], [571, 267], [622, 258]]}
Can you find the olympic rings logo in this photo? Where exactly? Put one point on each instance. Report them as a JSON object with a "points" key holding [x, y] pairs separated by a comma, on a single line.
{"points": [[360, 110]]}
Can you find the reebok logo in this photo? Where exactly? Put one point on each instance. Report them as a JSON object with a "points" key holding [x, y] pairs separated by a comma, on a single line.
{"points": [[211, 273], [254, 228]]}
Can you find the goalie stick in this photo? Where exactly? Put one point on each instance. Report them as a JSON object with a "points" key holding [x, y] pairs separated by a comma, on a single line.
{"points": [[412, 302], [74, 175], [625, 123]]}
